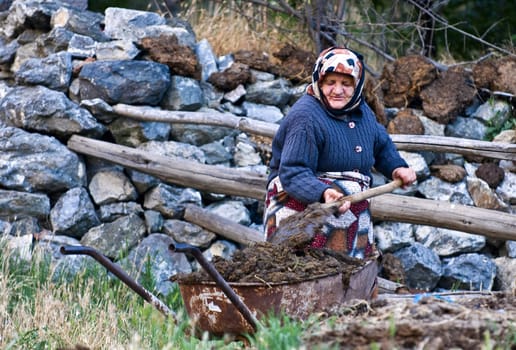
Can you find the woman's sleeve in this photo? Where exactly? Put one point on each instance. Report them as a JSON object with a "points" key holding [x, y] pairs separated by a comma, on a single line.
{"points": [[387, 157]]}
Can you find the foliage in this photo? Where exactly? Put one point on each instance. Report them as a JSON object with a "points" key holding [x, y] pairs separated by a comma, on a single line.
{"points": [[493, 130], [279, 332], [493, 21]]}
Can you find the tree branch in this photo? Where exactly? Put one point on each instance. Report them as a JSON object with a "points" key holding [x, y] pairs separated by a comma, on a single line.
{"points": [[471, 36]]}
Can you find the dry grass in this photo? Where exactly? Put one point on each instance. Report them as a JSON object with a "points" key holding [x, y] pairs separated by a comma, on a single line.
{"points": [[255, 30], [88, 310], [53, 312]]}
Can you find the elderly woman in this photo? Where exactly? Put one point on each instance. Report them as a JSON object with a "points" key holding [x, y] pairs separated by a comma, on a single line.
{"points": [[325, 148]]}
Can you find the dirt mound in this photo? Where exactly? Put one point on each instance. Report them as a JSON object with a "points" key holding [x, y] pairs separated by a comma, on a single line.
{"points": [[276, 263], [455, 321]]}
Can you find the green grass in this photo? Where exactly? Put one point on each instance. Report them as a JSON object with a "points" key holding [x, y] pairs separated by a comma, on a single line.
{"points": [[97, 311]]}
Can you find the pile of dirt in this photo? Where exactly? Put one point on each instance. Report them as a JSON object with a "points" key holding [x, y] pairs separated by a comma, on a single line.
{"points": [[465, 320], [277, 263]]}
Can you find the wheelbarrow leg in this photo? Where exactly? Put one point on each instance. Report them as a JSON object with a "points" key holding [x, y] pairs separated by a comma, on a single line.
{"points": [[219, 280], [122, 275]]}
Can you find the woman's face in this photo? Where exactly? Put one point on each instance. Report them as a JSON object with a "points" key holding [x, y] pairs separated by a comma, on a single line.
{"points": [[338, 89]]}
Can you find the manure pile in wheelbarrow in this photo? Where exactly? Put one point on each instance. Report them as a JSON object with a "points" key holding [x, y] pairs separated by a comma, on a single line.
{"points": [[275, 263], [230, 296]]}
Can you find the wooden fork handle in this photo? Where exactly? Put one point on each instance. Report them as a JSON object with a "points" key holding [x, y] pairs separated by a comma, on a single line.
{"points": [[369, 193]]}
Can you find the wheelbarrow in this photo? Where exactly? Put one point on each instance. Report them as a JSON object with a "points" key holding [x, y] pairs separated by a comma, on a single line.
{"points": [[219, 307]]}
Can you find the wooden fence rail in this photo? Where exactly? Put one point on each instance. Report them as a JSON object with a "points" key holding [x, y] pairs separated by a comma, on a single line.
{"points": [[231, 181], [495, 150]]}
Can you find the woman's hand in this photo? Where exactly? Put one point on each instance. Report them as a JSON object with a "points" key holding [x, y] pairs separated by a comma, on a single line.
{"points": [[407, 175], [331, 195]]}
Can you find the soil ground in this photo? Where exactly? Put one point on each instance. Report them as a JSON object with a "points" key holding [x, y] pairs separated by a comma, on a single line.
{"points": [[432, 321]]}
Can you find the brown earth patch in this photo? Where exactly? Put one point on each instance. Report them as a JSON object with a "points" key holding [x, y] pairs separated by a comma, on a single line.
{"points": [[166, 49], [406, 122], [415, 322], [448, 95], [276, 263], [403, 79], [229, 79], [296, 64]]}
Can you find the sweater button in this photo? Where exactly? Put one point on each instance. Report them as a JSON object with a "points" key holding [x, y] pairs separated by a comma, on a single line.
{"points": [[358, 149], [351, 125]]}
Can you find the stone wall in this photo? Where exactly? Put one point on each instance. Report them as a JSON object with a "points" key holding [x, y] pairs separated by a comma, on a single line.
{"points": [[62, 69]]}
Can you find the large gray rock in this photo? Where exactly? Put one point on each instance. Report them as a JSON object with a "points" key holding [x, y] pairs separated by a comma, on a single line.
{"points": [[392, 236], [24, 225], [47, 111], [53, 71], [25, 12], [54, 41], [116, 82], [170, 200], [153, 260], [4, 4], [33, 162], [447, 242], [276, 93], [130, 24], [111, 239], [113, 211], [422, 266], [184, 94], [174, 149], [82, 46], [116, 50], [74, 213], [231, 209], [8, 51], [207, 59], [16, 204], [437, 189], [505, 274], [133, 25], [82, 22], [186, 232], [469, 128], [133, 133], [199, 135], [110, 186], [468, 272]]}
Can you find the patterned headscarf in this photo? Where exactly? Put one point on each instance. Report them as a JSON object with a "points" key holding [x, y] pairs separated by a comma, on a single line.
{"points": [[338, 60]]}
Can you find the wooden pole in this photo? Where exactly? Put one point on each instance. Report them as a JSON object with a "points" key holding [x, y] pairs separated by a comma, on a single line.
{"points": [[444, 144], [231, 181], [145, 113], [186, 173], [485, 222], [495, 150], [222, 226]]}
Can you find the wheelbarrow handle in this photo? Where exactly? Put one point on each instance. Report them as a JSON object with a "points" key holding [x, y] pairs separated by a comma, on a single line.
{"points": [[219, 280], [369, 193], [121, 274]]}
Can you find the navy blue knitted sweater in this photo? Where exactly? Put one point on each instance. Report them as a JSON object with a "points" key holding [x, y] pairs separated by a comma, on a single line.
{"points": [[310, 141]]}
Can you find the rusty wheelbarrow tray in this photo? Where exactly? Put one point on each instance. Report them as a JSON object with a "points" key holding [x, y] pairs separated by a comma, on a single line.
{"points": [[221, 308], [213, 312]]}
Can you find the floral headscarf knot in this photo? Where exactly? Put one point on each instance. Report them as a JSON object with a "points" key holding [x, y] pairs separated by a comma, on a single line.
{"points": [[338, 60]]}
